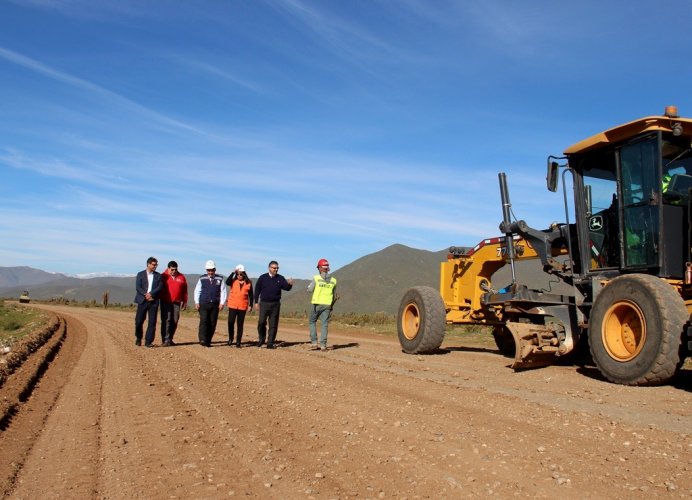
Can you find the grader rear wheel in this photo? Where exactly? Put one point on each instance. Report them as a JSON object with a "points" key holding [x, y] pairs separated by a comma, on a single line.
{"points": [[421, 320], [635, 330]]}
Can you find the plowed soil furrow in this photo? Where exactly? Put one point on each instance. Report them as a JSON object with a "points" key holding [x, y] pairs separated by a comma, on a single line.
{"points": [[71, 433], [363, 420]]}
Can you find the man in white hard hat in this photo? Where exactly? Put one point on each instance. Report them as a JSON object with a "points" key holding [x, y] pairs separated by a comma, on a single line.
{"points": [[210, 297]]}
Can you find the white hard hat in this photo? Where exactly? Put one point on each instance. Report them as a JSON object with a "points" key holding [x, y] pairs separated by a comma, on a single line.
{"points": [[210, 265], [240, 268]]}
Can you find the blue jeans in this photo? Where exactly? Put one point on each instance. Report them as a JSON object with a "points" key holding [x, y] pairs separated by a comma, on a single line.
{"points": [[322, 313]]}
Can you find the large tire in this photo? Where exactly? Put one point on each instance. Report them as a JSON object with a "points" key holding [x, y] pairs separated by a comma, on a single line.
{"points": [[421, 320], [636, 329]]}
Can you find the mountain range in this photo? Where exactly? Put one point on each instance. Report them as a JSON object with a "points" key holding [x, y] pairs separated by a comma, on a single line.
{"points": [[371, 284]]}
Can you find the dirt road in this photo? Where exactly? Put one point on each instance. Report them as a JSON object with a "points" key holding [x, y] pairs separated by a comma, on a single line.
{"points": [[111, 420]]}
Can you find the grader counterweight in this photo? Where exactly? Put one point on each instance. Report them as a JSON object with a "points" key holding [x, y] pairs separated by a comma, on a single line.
{"points": [[624, 263]]}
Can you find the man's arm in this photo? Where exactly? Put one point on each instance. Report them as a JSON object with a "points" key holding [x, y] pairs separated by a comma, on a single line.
{"points": [[156, 285], [224, 296], [335, 296], [141, 283], [258, 289], [184, 289], [198, 291]]}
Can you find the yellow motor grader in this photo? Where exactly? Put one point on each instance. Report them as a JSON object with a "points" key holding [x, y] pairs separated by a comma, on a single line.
{"points": [[624, 264]]}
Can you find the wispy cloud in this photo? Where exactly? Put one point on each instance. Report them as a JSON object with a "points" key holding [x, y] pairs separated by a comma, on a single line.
{"points": [[81, 84], [245, 131], [217, 71], [347, 40], [86, 9]]}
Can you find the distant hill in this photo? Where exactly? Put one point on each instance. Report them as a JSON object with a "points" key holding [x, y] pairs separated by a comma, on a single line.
{"points": [[26, 276], [370, 284], [120, 290], [373, 283], [376, 282]]}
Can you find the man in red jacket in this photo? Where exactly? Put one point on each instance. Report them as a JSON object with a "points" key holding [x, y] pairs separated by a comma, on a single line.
{"points": [[173, 299]]}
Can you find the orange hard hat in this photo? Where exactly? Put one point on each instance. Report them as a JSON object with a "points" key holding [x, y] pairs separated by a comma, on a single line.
{"points": [[322, 262]]}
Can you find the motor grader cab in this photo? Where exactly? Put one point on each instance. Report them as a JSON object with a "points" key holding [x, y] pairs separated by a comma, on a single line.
{"points": [[624, 263]]}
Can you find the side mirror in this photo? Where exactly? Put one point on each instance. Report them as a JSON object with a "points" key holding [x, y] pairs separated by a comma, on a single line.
{"points": [[551, 176]]}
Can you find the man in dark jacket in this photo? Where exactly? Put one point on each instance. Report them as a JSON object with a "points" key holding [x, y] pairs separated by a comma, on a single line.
{"points": [[148, 285], [268, 296]]}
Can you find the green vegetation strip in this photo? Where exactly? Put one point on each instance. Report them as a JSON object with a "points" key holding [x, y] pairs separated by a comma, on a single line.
{"points": [[17, 321], [23, 348], [25, 365]]}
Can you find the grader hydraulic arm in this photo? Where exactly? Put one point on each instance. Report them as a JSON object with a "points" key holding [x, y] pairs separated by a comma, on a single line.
{"points": [[466, 278]]}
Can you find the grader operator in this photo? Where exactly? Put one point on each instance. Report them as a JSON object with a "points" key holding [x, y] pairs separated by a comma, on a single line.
{"points": [[624, 263]]}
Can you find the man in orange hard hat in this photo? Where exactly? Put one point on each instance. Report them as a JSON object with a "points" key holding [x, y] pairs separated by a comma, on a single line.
{"points": [[323, 288]]}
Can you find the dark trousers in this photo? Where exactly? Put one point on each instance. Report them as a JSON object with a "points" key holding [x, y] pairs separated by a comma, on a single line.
{"points": [[170, 315], [268, 313], [236, 315], [146, 308], [208, 315]]}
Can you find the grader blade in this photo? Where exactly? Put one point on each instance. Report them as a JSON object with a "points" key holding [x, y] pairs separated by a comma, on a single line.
{"points": [[536, 345]]}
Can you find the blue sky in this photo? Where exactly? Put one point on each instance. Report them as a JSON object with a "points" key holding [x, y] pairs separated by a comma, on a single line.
{"points": [[293, 130]]}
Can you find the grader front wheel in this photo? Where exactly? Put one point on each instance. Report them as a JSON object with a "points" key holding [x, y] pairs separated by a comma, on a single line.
{"points": [[421, 320], [624, 330], [635, 330]]}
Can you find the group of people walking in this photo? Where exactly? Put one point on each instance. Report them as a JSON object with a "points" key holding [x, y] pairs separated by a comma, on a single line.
{"points": [[169, 292]]}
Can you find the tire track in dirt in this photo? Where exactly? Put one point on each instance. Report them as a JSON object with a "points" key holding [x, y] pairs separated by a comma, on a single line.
{"points": [[155, 441], [526, 386], [363, 420], [517, 429], [19, 438], [70, 433]]}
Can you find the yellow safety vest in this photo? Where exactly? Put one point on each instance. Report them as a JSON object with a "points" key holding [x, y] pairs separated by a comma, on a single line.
{"points": [[665, 181], [323, 294]]}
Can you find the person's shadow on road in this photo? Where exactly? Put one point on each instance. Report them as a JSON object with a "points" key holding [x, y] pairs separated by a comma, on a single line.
{"points": [[334, 347]]}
